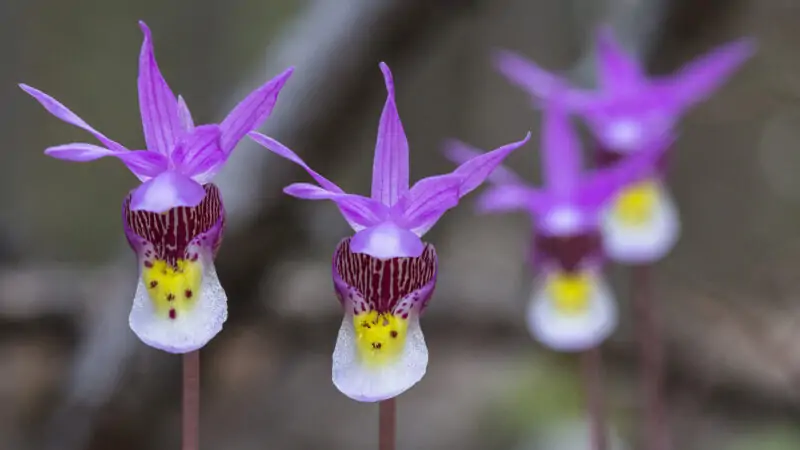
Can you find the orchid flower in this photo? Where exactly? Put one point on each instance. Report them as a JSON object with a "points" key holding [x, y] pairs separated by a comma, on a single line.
{"points": [[385, 274], [572, 307], [175, 219], [626, 114]]}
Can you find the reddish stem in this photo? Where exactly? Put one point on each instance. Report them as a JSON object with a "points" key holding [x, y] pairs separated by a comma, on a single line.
{"points": [[387, 424], [652, 360], [191, 401], [592, 362]]}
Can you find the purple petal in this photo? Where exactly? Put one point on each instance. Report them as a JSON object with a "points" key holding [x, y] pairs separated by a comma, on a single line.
{"points": [[428, 200], [460, 153], [390, 167], [697, 80], [605, 183], [251, 112], [359, 211], [617, 69], [476, 170], [198, 154], [281, 150], [387, 240], [142, 163], [512, 197], [57, 109], [168, 190], [185, 116], [538, 82], [561, 153], [157, 103]]}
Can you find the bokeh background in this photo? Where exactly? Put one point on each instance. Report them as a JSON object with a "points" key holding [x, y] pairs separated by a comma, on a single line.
{"points": [[74, 377]]}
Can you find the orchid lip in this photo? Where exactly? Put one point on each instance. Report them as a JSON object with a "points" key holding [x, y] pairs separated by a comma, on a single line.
{"points": [[179, 303], [381, 351]]}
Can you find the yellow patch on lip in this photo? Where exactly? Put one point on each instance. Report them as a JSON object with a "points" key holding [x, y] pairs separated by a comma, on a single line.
{"points": [[636, 204], [380, 337], [570, 293], [173, 289]]}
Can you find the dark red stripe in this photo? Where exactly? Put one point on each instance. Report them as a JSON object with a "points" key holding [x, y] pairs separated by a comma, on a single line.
{"points": [[383, 283], [173, 231]]}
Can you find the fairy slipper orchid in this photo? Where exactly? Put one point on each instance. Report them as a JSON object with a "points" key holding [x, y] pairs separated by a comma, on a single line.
{"points": [[175, 219], [572, 307], [628, 112], [385, 274]]}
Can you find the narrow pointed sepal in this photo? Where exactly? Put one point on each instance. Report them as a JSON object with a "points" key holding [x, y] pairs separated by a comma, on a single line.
{"points": [[571, 311], [641, 224], [380, 351], [179, 305]]}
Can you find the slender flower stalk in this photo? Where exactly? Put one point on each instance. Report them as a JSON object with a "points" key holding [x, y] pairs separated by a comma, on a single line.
{"points": [[592, 365], [174, 220], [626, 113], [190, 418], [572, 308], [384, 275], [387, 424]]}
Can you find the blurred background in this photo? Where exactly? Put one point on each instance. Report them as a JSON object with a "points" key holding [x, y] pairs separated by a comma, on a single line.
{"points": [[74, 377]]}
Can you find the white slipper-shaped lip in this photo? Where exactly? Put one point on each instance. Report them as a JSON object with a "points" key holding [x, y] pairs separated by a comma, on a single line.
{"points": [[571, 312], [179, 305], [380, 350], [636, 242]]}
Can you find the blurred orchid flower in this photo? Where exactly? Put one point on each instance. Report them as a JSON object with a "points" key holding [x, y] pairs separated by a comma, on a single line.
{"points": [[572, 308], [175, 219], [385, 274], [627, 113]]}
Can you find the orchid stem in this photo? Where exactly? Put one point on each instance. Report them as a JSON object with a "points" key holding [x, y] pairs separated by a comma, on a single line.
{"points": [[592, 361], [191, 401], [652, 360], [387, 424]]}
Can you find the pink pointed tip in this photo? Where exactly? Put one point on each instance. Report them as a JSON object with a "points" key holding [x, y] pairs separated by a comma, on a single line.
{"points": [[145, 29], [284, 76], [387, 78]]}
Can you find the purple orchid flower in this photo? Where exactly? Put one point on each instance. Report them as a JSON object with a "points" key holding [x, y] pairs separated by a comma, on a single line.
{"points": [[385, 274], [627, 113], [572, 307], [175, 219]]}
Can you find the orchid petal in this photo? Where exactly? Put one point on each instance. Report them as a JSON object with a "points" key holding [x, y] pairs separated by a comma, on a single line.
{"points": [[539, 83], [57, 109], [460, 153], [359, 211], [198, 154], [617, 69], [166, 191], [428, 200], [697, 80], [561, 153], [476, 170], [185, 116], [281, 150], [604, 183], [157, 103], [251, 112], [512, 197], [142, 163], [387, 240], [390, 167]]}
